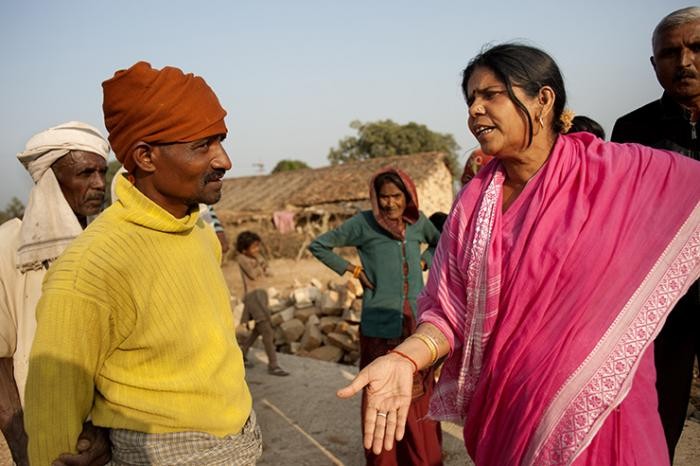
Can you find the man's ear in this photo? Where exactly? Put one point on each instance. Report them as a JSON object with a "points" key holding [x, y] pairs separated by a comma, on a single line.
{"points": [[142, 153], [653, 62]]}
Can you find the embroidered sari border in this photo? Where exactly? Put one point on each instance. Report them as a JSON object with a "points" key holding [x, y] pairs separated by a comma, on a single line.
{"points": [[602, 381]]}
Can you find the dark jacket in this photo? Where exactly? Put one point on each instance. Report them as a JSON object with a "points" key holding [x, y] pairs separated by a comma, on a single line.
{"points": [[662, 124]]}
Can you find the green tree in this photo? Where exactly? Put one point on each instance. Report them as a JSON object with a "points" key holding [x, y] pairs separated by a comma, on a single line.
{"points": [[13, 209], [289, 165], [386, 138]]}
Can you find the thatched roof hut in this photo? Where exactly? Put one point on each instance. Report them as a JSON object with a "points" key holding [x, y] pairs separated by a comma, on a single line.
{"points": [[321, 198]]}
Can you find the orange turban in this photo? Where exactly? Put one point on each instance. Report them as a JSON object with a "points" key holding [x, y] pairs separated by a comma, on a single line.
{"points": [[158, 107]]}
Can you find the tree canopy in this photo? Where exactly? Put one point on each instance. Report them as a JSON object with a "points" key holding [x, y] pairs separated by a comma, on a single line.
{"points": [[385, 138], [289, 165], [13, 209]]}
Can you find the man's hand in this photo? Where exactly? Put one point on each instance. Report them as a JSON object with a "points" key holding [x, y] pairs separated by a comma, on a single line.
{"points": [[93, 448], [16, 439], [11, 415]]}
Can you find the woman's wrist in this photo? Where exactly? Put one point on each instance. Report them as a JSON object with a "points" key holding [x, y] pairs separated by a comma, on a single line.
{"points": [[406, 357], [430, 344], [355, 270], [400, 357]]}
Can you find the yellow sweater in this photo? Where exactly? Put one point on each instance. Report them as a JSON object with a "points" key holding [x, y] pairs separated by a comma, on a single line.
{"points": [[134, 328]]}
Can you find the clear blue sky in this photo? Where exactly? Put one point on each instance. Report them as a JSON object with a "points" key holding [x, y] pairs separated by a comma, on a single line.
{"points": [[294, 74]]}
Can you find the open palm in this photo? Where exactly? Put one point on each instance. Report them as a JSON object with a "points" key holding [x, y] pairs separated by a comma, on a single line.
{"points": [[389, 380]]}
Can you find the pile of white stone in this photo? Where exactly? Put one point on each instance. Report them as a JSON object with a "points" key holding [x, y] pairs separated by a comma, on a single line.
{"points": [[318, 322]]}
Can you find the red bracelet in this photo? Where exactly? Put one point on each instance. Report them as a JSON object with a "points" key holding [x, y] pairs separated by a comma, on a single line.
{"points": [[405, 356]]}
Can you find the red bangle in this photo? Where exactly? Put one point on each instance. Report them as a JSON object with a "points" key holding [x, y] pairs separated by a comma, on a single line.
{"points": [[405, 356]]}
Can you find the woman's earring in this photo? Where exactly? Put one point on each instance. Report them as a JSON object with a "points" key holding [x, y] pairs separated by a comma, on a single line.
{"points": [[539, 118]]}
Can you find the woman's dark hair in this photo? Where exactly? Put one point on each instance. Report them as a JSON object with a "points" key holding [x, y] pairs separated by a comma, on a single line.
{"points": [[245, 239], [394, 178], [583, 123], [526, 67], [438, 219]]}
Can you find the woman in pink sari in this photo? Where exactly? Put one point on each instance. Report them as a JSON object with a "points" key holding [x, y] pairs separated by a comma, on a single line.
{"points": [[555, 271]]}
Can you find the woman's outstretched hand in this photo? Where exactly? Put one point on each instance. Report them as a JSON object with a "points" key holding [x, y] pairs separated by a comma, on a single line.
{"points": [[389, 381]]}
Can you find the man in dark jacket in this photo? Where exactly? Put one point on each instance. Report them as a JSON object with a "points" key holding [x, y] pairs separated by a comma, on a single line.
{"points": [[670, 123]]}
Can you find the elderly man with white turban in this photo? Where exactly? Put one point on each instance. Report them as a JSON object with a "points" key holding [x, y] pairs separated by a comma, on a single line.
{"points": [[68, 165]]}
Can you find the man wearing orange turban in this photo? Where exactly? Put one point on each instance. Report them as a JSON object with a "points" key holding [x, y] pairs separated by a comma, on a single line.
{"points": [[158, 107], [148, 345]]}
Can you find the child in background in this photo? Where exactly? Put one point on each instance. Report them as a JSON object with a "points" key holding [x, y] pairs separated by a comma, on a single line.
{"points": [[438, 219], [254, 270], [583, 123]]}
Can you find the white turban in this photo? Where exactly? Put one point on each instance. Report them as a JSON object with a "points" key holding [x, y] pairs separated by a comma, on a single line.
{"points": [[49, 223], [45, 148]]}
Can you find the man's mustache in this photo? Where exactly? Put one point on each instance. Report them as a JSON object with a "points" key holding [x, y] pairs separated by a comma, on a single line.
{"points": [[96, 197], [216, 175], [684, 74]]}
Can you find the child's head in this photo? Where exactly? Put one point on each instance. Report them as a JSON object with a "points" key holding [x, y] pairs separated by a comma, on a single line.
{"points": [[583, 123], [248, 243], [438, 219]]}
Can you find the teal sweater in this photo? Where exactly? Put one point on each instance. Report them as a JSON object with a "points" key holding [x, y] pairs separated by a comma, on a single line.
{"points": [[382, 258]]}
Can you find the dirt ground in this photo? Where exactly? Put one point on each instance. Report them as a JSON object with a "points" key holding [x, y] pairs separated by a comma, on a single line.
{"points": [[304, 423]]}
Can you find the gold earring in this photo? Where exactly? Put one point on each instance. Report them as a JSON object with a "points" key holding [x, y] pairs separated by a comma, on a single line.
{"points": [[539, 118]]}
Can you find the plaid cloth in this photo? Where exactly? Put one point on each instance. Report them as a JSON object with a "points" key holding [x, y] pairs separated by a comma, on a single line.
{"points": [[131, 448]]}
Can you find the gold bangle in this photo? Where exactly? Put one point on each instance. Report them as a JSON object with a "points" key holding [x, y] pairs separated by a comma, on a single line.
{"points": [[430, 343], [356, 272]]}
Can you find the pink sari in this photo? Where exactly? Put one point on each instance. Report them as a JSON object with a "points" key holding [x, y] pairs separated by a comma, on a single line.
{"points": [[550, 307]]}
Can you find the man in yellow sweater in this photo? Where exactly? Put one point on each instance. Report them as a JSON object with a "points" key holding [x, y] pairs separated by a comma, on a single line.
{"points": [[134, 325]]}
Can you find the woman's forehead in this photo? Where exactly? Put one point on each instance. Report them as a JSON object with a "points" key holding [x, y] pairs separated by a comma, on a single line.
{"points": [[389, 187], [482, 78]]}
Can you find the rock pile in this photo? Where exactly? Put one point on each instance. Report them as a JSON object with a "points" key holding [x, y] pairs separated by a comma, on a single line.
{"points": [[318, 322]]}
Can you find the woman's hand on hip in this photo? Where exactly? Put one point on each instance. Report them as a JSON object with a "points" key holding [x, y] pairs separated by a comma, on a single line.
{"points": [[365, 281]]}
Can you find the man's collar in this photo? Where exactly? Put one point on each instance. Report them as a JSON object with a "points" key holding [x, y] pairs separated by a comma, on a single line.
{"points": [[672, 109]]}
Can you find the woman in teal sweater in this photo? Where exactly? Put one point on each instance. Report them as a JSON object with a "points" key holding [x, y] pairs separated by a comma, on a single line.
{"points": [[388, 240]]}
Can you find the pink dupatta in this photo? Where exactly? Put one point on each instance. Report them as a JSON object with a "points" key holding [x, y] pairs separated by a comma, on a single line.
{"points": [[550, 307]]}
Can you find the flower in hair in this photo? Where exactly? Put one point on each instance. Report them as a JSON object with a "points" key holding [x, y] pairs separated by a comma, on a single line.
{"points": [[567, 119]]}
